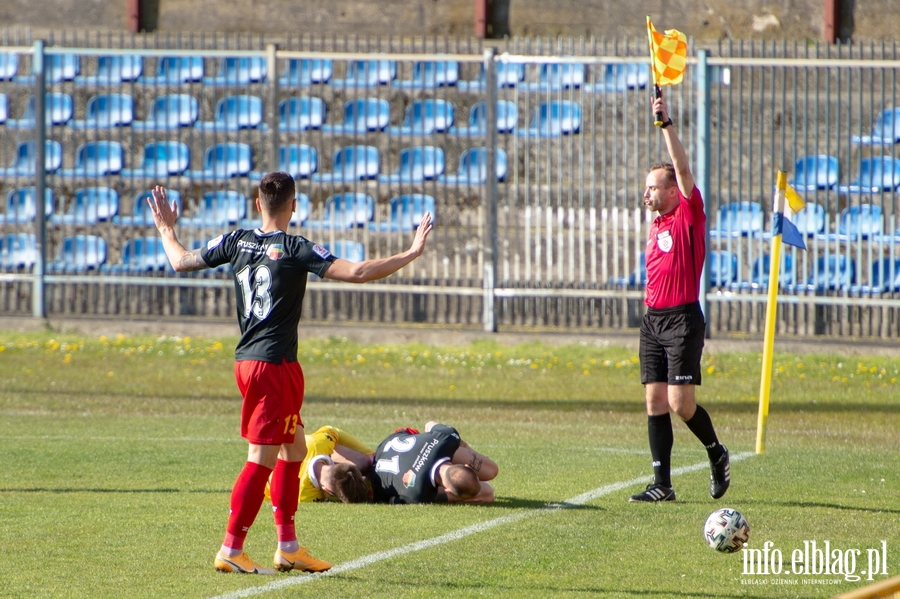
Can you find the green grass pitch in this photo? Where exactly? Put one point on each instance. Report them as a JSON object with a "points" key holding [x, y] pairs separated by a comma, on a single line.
{"points": [[118, 455]]}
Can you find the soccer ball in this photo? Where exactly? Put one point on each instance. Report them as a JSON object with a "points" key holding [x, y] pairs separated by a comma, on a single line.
{"points": [[726, 530]]}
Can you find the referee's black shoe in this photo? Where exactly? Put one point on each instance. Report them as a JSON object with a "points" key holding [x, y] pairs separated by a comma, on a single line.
{"points": [[654, 493], [719, 475]]}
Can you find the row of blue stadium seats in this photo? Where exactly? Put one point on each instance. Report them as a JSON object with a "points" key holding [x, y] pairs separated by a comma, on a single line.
{"points": [[822, 172], [84, 253], [112, 70], [92, 205], [234, 113], [853, 223], [231, 159], [834, 272]]}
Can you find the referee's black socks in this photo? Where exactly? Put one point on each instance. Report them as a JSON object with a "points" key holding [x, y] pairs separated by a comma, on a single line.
{"points": [[701, 425], [659, 429]]}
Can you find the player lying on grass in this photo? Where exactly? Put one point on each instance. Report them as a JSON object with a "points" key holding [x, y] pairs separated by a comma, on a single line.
{"points": [[334, 467], [431, 467]]}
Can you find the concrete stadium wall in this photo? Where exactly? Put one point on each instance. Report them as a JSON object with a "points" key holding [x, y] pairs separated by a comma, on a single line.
{"points": [[861, 20]]}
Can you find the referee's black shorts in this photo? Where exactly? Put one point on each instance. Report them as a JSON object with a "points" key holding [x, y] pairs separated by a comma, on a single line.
{"points": [[672, 344]]}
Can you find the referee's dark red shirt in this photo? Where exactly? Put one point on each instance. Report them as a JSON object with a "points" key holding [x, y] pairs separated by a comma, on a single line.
{"points": [[675, 253]]}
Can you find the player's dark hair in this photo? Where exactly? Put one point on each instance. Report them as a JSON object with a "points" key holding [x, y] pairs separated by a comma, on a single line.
{"points": [[670, 172], [349, 485], [462, 481], [276, 190]]}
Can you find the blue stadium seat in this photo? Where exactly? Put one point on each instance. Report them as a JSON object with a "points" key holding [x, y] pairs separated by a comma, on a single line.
{"points": [[431, 74], [9, 66], [57, 68], [161, 159], [21, 206], [347, 249], [832, 273], [18, 250], [58, 106], [875, 174], [886, 275], [863, 221], [112, 70], [759, 273], [96, 159], [425, 117], [224, 161], [4, 108], [301, 113], [298, 217], [168, 112], [78, 254], [637, 278], [141, 215], [351, 163], [139, 255], [234, 113], [552, 119], [299, 160], [723, 268], [105, 111], [417, 164], [239, 71], [23, 165], [738, 219], [368, 73], [473, 168], [508, 75], [810, 220], [306, 71], [507, 119], [815, 172], [885, 131], [362, 115], [406, 213], [557, 76], [621, 78], [175, 70], [218, 209], [345, 211], [90, 206]]}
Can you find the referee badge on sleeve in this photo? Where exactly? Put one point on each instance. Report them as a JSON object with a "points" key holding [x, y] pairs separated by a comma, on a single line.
{"points": [[664, 241]]}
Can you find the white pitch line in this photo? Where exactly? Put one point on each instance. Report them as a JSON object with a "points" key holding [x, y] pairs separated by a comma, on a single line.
{"points": [[368, 560]]}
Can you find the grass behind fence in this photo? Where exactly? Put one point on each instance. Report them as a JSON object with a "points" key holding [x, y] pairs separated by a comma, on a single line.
{"points": [[119, 453]]}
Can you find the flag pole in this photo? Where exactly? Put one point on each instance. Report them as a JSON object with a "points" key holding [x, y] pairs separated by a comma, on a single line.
{"points": [[658, 93], [765, 383]]}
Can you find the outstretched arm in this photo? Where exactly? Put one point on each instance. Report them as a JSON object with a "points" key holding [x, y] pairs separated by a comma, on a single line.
{"points": [[164, 216], [676, 151], [371, 270]]}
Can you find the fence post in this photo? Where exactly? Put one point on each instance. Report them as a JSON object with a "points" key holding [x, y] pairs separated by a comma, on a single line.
{"points": [[490, 191], [272, 116], [39, 308], [702, 178]]}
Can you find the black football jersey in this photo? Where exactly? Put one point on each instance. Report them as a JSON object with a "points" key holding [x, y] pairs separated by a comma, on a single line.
{"points": [[405, 465], [270, 272]]}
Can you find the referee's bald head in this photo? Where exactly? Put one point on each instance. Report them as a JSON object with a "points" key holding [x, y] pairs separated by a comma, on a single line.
{"points": [[276, 190]]}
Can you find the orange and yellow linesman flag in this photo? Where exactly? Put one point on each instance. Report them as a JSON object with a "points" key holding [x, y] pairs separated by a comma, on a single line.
{"points": [[668, 53]]}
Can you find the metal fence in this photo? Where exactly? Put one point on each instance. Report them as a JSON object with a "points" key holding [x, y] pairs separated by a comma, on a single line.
{"points": [[532, 156]]}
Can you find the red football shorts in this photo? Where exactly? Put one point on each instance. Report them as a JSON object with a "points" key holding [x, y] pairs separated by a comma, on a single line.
{"points": [[273, 396]]}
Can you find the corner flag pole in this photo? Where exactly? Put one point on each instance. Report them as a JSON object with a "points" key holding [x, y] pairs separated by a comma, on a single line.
{"points": [[765, 383]]}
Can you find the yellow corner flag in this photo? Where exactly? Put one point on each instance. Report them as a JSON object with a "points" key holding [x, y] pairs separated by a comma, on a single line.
{"points": [[668, 53]]}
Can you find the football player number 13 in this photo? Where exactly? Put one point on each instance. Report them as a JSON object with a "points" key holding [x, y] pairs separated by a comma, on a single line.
{"points": [[255, 291], [399, 445]]}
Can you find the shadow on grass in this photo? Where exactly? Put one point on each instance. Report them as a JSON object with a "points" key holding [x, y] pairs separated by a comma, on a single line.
{"points": [[828, 506], [535, 504]]}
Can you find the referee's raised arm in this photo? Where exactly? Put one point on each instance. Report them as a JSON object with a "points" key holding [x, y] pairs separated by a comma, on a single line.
{"points": [[679, 158]]}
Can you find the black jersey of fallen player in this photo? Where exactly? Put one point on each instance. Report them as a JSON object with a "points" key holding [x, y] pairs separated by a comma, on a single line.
{"points": [[405, 465], [270, 272]]}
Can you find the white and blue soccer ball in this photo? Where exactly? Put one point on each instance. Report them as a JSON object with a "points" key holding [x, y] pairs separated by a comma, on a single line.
{"points": [[726, 530]]}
